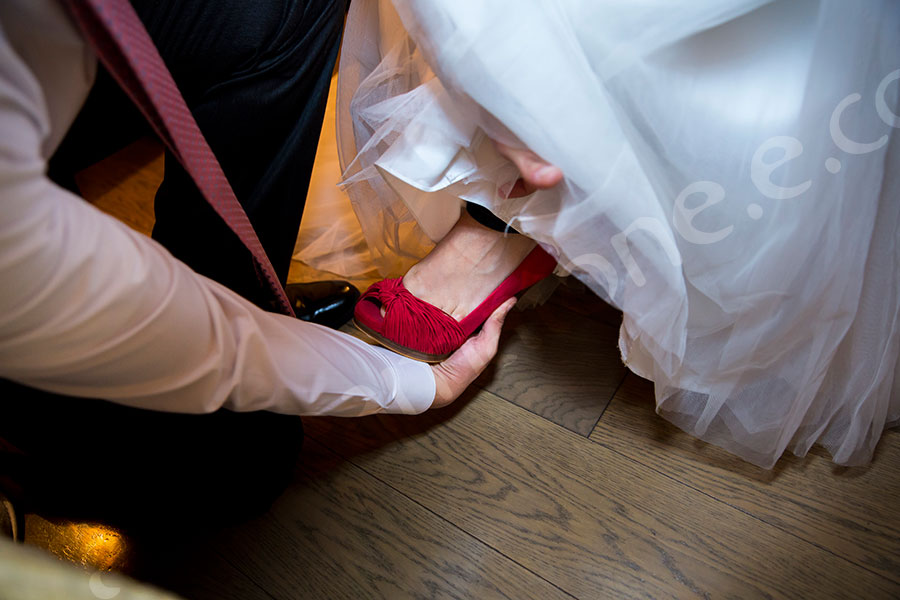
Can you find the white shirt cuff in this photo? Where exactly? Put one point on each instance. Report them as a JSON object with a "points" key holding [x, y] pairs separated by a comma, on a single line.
{"points": [[415, 387]]}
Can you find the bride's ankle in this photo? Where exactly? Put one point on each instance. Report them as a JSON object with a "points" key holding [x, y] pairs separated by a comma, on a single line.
{"points": [[466, 266]]}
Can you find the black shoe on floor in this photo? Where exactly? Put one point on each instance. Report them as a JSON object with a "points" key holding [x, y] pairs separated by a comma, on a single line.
{"points": [[328, 303]]}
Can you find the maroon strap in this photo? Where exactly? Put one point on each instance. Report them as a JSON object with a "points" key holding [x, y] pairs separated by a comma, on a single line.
{"points": [[123, 45]]}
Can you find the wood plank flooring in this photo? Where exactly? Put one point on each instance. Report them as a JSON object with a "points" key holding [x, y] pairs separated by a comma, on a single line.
{"points": [[552, 478], [851, 511], [590, 520], [355, 537], [125, 184], [556, 367]]}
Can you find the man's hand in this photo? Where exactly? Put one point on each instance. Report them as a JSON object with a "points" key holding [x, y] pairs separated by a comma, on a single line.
{"points": [[455, 374], [536, 172]]}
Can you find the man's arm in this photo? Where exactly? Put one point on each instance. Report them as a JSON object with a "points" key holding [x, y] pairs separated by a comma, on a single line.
{"points": [[90, 308]]}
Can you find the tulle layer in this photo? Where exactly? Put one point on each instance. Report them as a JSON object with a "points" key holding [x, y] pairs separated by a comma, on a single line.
{"points": [[731, 184]]}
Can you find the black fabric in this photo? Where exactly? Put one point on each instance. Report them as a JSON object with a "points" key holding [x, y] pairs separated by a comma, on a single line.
{"points": [[142, 470], [256, 76], [108, 122], [487, 218]]}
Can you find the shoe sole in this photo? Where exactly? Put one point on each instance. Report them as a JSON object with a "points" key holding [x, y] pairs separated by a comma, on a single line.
{"points": [[401, 350]]}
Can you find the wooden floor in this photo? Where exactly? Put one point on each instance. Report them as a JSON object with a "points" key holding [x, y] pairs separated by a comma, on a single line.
{"points": [[553, 478]]}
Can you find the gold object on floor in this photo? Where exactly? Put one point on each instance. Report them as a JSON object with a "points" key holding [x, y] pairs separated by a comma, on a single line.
{"points": [[89, 545]]}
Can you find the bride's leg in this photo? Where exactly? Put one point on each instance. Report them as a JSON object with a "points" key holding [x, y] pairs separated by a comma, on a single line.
{"points": [[472, 260], [466, 266]]}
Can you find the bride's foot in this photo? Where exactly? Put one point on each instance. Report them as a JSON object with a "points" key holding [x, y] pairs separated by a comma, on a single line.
{"points": [[443, 299], [472, 260], [466, 266]]}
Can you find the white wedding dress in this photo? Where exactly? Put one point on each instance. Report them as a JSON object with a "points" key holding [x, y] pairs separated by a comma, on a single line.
{"points": [[732, 184]]}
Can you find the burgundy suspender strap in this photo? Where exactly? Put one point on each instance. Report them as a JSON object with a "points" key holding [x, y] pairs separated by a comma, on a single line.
{"points": [[118, 37]]}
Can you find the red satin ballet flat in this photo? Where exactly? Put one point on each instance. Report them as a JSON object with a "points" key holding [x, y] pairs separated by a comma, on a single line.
{"points": [[421, 331]]}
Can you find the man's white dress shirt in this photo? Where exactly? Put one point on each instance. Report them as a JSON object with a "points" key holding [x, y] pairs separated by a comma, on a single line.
{"points": [[90, 308]]}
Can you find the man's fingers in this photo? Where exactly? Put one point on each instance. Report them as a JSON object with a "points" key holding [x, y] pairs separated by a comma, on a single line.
{"points": [[536, 172], [492, 326], [456, 373], [486, 342]]}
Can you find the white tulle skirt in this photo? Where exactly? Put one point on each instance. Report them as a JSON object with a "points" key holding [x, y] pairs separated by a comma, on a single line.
{"points": [[732, 184]]}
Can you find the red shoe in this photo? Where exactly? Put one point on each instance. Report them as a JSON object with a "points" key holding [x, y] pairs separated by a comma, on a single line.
{"points": [[421, 331]]}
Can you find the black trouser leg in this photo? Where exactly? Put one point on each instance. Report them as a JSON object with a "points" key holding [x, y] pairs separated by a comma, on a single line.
{"points": [[256, 76]]}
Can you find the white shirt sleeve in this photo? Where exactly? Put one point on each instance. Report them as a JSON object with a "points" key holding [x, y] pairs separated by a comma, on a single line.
{"points": [[90, 308]]}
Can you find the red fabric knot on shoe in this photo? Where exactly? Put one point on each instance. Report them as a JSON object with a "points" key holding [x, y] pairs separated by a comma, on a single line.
{"points": [[414, 323]]}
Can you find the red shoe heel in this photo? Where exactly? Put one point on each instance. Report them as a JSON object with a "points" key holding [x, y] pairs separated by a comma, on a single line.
{"points": [[421, 331]]}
